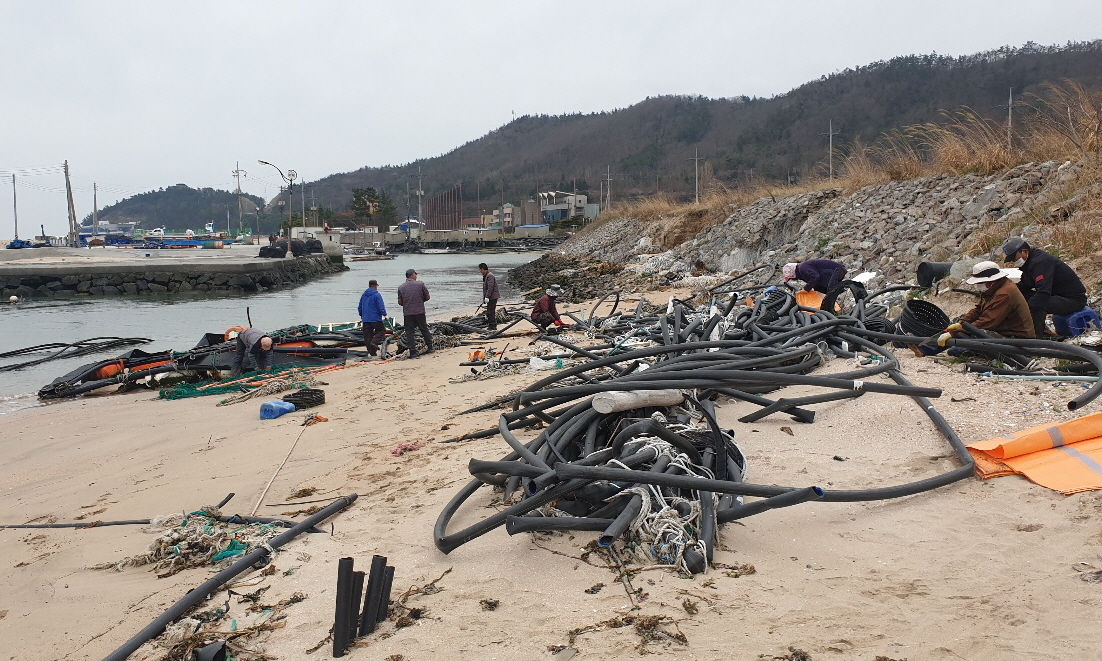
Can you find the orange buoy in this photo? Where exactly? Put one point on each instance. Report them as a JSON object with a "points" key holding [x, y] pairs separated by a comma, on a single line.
{"points": [[232, 332]]}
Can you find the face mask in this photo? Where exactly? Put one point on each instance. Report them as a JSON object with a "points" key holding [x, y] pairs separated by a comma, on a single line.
{"points": [[1019, 262]]}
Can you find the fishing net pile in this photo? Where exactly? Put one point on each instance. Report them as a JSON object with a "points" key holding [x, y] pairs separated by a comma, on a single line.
{"points": [[195, 539]]}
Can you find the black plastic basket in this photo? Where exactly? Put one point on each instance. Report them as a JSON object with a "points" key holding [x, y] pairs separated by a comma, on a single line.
{"points": [[922, 319]]}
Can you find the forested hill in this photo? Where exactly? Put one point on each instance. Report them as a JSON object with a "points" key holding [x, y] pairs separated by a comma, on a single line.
{"points": [[649, 146], [178, 208]]}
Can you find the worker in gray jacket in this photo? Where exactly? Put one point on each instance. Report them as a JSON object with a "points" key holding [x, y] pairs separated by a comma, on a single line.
{"points": [[412, 295], [254, 343]]}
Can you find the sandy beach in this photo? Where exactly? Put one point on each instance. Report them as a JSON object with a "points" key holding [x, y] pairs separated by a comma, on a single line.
{"points": [[976, 570]]}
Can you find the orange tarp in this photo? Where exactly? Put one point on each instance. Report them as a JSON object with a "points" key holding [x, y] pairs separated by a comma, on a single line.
{"points": [[1065, 457]]}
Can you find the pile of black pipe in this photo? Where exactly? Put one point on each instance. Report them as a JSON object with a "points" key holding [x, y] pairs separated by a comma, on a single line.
{"points": [[638, 475]]}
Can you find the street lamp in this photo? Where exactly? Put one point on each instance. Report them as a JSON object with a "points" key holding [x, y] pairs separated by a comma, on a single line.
{"points": [[290, 179]]}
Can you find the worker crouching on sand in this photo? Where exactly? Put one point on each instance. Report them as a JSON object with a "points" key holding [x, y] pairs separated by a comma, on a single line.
{"points": [[255, 343], [821, 275], [1002, 311], [1048, 284], [545, 313]]}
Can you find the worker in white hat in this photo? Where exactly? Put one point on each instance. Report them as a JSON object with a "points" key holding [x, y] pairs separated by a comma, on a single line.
{"points": [[1002, 311]]}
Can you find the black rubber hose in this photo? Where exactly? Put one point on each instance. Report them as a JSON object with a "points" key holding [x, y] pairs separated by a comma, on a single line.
{"points": [[517, 524], [448, 543], [794, 497], [593, 311], [85, 524], [712, 378], [201, 593], [482, 467], [653, 428], [621, 522], [798, 414], [707, 522], [1044, 348]]}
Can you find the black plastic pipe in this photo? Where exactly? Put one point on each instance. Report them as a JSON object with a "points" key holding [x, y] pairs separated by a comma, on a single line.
{"points": [[794, 497], [384, 593], [341, 624], [621, 522], [518, 524], [370, 617]]}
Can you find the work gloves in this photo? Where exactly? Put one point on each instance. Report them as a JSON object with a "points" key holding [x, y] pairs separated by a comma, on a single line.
{"points": [[944, 338]]}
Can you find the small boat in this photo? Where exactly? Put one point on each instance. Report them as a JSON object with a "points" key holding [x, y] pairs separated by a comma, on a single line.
{"points": [[434, 251], [213, 354], [369, 258]]}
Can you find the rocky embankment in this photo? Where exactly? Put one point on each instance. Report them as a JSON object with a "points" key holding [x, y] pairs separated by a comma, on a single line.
{"points": [[889, 228], [61, 280]]}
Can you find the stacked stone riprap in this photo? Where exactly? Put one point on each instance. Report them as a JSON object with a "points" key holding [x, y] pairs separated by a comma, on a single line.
{"points": [[56, 280], [889, 228]]}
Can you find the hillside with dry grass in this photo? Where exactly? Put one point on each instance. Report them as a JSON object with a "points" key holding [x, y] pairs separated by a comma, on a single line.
{"points": [[742, 141], [938, 191]]}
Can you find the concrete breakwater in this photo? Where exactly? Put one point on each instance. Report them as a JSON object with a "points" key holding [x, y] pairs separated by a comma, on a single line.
{"points": [[127, 278]]}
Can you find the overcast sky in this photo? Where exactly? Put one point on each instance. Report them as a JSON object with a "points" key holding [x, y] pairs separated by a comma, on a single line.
{"points": [[142, 95]]}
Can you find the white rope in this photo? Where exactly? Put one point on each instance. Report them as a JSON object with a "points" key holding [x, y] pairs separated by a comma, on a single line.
{"points": [[280, 467]]}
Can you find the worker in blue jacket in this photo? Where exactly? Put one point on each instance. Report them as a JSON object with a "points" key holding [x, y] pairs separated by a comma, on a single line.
{"points": [[372, 313]]}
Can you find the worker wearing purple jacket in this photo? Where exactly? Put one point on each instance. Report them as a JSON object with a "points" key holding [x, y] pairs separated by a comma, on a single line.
{"points": [[412, 295], [821, 275]]}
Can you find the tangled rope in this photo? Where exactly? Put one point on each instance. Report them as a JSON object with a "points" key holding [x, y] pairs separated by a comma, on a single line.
{"points": [[298, 380]]}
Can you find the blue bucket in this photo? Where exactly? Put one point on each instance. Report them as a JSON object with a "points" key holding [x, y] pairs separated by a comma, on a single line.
{"points": [[1076, 323]]}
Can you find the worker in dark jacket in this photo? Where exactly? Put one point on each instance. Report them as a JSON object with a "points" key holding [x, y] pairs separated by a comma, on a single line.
{"points": [[544, 313], [821, 275], [1049, 285], [412, 295], [1001, 311], [253, 343], [490, 294]]}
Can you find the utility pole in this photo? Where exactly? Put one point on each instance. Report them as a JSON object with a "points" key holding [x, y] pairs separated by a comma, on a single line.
{"points": [[237, 173], [696, 172], [95, 211], [73, 232], [15, 208], [830, 133], [302, 189], [420, 192], [1009, 122], [608, 188]]}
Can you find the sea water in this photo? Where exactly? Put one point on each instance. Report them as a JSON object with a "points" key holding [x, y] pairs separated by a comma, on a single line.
{"points": [[177, 322]]}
